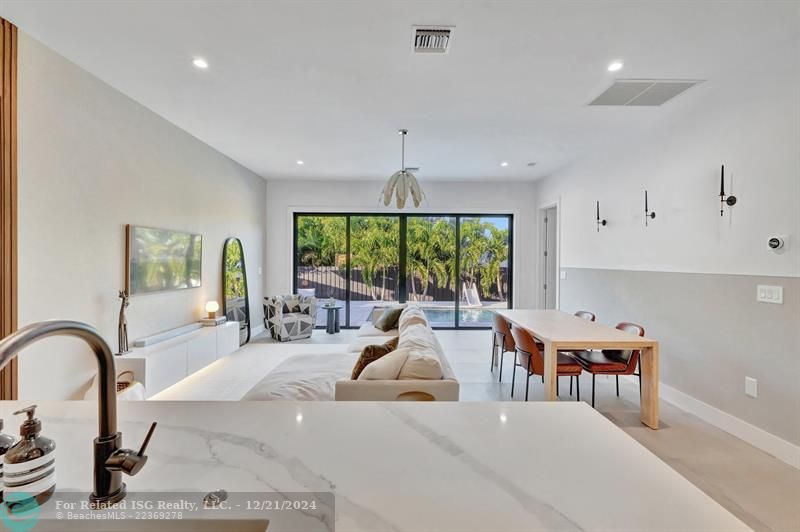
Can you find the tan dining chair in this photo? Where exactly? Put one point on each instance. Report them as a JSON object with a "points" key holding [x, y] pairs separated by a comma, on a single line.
{"points": [[502, 340], [612, 361], [531, 359]]}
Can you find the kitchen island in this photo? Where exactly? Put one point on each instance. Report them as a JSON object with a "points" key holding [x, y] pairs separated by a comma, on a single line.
{"points": [[398, 466]]}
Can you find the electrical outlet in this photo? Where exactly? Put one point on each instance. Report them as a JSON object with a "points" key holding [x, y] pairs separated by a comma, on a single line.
{"points": [[259, 270], [769, 294], [751, 387], [563, 274]]}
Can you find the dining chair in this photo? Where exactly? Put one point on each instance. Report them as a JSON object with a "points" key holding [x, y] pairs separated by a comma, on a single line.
{"points": [[502, 340], [613, 361], [586, 315], [530, 357]]}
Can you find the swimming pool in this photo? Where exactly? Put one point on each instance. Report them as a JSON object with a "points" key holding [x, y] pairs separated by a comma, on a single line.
{"points": [[469, 317]]}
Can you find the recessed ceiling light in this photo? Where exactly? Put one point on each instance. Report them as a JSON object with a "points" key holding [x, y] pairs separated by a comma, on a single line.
{"points": [[300, 163], [531, 164], [614, 66], [504, 164], [200, 63]]}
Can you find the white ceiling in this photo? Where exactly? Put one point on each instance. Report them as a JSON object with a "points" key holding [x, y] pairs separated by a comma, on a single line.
{"points": [[329, 82]]}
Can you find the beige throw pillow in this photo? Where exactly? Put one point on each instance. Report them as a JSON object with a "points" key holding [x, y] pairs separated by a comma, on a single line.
{"points": [[385, 368], [421, 366]]}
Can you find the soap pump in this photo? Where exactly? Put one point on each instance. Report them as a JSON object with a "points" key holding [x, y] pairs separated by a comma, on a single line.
{"points": [[29, 466]]}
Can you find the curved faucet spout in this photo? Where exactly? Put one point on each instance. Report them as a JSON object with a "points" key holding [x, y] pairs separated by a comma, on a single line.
{"points": [[106, 375]]}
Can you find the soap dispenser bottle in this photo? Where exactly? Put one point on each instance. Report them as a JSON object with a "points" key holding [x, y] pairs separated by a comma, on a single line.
{"points": [[29, 467], [6, 442]]}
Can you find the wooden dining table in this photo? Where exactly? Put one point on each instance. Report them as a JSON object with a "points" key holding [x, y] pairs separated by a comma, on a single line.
{"points": [[560, 331]]}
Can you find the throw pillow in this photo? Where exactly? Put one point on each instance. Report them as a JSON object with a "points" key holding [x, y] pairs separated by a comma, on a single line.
{"points": [[388, 319], [385, 368], [371, 353], [421, 366]]}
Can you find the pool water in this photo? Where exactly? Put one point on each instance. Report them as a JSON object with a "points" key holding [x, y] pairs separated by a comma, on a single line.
{"points": [[469, 317]]}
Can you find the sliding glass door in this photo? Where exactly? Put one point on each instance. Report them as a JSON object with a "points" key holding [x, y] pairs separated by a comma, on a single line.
{"points": [[456, 266], [484, 268], [431, 266], [375, 264]]}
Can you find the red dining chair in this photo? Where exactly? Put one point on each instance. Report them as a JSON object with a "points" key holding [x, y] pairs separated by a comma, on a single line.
{"points": [[530, 358], [612, 361], [502, 340]]}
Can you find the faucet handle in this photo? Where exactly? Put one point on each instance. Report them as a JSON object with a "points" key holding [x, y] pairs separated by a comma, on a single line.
{"points": [[128, 461], [146, 441]]}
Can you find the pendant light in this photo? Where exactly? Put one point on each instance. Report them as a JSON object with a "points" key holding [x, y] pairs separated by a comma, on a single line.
{"points": [[402, 181]]}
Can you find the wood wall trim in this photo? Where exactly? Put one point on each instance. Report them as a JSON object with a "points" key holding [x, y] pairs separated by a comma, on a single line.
{"points": [[8, 198]]}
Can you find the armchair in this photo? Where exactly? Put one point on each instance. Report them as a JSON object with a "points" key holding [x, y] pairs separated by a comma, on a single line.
{"points": [[290, 317]]}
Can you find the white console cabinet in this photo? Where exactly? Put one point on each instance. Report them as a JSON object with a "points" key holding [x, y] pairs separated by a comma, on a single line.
{"points": [[161, 364]]}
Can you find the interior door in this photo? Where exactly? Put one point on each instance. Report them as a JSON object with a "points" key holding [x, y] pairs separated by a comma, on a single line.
{"points": [[550, 258]]}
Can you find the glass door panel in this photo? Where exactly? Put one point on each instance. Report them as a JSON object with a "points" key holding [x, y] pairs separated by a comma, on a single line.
{"points": [[484, 263], [321, 259], [431, 266], [375, 264]]}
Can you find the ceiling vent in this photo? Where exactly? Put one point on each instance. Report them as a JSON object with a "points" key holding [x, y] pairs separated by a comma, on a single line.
{"points": [[643, 92], [432, 39]]}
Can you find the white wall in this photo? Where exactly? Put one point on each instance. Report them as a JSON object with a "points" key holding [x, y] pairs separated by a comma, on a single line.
{"points": [[749, 123], [286, 197], [712, 331], [90, 161]]}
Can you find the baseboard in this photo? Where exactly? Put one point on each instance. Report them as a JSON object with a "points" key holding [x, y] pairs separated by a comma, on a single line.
{"points": [[255, 330], [757, 437]]}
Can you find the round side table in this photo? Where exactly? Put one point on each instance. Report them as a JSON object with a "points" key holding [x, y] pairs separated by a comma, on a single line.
{"points": [[333, 318]]}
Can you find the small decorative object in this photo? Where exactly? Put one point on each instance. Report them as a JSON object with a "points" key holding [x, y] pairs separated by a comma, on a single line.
{"points": [[403, 181], [599, 221], [213, 320], [122, 326], [723, 199], [648, 214]]}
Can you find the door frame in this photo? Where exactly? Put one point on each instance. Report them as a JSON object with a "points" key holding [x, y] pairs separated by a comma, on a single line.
{"points": [[296, 212], [541, 259]]}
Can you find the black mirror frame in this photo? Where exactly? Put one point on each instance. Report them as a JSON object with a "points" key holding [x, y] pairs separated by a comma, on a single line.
{"points": [[228, 242]]}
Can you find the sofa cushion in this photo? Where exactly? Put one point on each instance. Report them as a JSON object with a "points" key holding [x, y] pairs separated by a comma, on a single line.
{"points": [[421, 366], [385, 368], [388, 320], [419, 338], [412, 315], [370, 354], [310, 377], [368, 329]]}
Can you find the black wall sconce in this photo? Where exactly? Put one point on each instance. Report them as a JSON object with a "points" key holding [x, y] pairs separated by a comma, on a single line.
{"points": [[648, 214], [723, 199], [599, 221]]}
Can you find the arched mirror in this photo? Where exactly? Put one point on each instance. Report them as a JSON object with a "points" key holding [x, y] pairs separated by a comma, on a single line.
{"points": [[235, 303]]}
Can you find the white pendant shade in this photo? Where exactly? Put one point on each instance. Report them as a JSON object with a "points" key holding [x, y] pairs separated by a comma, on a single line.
{"points": [[402, 183]]}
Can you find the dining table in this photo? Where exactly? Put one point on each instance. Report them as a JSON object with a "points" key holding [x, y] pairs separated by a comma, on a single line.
{"points": [[561, 331]]}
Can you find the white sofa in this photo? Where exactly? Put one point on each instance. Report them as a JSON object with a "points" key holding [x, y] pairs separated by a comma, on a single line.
{"points": [[327, 377]]}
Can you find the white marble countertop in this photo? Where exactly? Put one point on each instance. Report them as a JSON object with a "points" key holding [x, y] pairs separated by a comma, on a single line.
{"points": [[400, 466]]}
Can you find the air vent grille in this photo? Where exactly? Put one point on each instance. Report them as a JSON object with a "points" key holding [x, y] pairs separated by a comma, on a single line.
{"points": [[432, 39], [643, 92]]}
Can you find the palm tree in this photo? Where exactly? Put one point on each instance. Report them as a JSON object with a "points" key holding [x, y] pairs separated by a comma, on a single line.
{"points": [[496, 255]]}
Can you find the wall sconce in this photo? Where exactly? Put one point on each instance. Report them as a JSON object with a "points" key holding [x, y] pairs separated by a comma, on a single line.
{"points": [[212, 307], [599, 221], [730, 200], [648, 214]]}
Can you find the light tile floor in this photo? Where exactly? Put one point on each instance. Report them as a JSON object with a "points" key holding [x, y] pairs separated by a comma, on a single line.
{"points": [[761, 490]]}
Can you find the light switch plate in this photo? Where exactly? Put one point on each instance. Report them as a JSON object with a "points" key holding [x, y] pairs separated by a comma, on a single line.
{"points": [[769, 294], [563, 274], [751, 387]]}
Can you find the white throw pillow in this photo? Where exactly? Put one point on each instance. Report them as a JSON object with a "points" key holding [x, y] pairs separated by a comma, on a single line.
{"points": [[414, 314], [418, 338], [386, 368], [421, 366]]}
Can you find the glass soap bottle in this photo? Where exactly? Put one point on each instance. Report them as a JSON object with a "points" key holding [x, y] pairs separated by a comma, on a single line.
{"points": [[29, 466]]}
